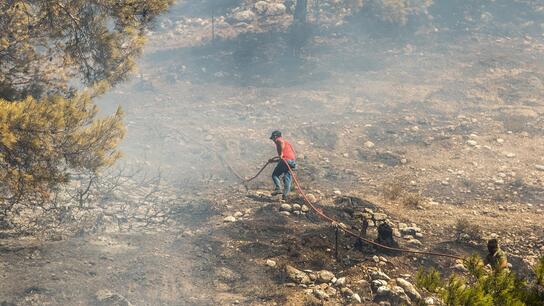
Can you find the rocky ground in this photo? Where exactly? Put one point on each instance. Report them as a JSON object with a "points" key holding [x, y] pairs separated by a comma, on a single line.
{"points": [[422, 134]]}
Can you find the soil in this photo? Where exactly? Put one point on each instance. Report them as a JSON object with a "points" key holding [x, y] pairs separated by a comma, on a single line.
{"points": [[455, 119]]}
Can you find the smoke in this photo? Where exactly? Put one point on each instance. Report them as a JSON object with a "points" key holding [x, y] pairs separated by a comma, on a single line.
{"points": [[432, 95], [217, 86]]}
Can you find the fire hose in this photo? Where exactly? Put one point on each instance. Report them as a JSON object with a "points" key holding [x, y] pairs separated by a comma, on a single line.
{"points": [[333, 222]]}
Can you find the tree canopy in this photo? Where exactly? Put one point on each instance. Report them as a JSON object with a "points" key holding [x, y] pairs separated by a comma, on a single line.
{"points": [[41, 139], [55, 47], [54, 57]]}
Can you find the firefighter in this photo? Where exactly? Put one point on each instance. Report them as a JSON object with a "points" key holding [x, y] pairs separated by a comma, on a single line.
{"points": [[285, 160]]}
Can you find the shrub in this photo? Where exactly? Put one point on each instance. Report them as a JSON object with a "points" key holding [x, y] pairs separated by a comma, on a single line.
{"points": [[47, 47], [481, 287], [539, 272], [41, 141], [467, 231], [413, 200], [392, 191], [430, 280]]}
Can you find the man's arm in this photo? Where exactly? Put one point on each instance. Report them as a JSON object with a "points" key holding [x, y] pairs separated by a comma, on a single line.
{"points": [[503, 262], [279, 149], [280, 145]]}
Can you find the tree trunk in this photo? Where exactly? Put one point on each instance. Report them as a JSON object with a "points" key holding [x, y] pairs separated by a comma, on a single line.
{"points": [[301, 11]]}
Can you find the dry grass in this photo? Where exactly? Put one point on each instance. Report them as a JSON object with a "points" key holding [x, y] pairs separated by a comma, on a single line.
{"points": [[312, 301], [392, 191], [467, 231], [413, 200]]}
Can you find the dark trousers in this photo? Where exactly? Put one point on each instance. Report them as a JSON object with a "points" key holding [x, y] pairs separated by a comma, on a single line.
{"points": [[282, 169]]}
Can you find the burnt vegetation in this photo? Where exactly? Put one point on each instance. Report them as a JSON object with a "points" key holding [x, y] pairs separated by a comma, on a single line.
{"points": [[414, 122]]}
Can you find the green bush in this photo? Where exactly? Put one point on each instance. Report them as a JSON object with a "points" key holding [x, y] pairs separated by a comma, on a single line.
{"points": [[539, 272], [482, 287]]}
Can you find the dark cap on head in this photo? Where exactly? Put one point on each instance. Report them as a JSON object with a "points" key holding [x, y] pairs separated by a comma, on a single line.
{"points": [[492, 242], [275, 134]]}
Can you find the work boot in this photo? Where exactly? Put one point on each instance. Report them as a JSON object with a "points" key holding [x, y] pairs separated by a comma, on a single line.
{"points": [[276, 192], [284, 198]]}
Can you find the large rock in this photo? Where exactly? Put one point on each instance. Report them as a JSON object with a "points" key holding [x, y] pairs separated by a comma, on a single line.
{"points": [[265, 8], [296, 275], [410, 230], [244, 16], [369, 144], [286, 207], [379, 217], [472, 143], [414, 243], [400, 295], [229, 219], [331, 291], [340, 282], [379, 275], [355, 297], [430, 301], [362, 215], [320, 294], [325, 276], [311, 198], [377, 283], [261, 7], [409, 289], [459, 267], [106, 297], [394, 295], [275, 9]]}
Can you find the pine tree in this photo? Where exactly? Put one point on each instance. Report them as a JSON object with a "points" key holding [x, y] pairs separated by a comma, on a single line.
{"points": [[484, 287], [54, 57], [41, 139], [47, 45]]}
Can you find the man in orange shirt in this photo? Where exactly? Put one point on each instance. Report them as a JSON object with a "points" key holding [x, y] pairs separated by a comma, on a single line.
{"points": [[286, 155]]}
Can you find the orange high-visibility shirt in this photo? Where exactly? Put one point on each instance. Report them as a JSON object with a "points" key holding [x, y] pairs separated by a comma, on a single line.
{"points": [[284, 148]]}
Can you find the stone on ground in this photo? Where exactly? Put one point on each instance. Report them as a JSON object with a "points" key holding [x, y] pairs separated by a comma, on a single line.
{"points": [[229, 219], [296, 275], [325, 276], [409, 288]]}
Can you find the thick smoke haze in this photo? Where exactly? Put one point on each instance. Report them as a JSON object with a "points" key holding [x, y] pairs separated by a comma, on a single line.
{"points": [[194, 98], [424, 117]]}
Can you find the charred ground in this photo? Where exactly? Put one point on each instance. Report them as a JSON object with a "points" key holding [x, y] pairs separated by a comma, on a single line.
{"points": [[452, 117]]}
